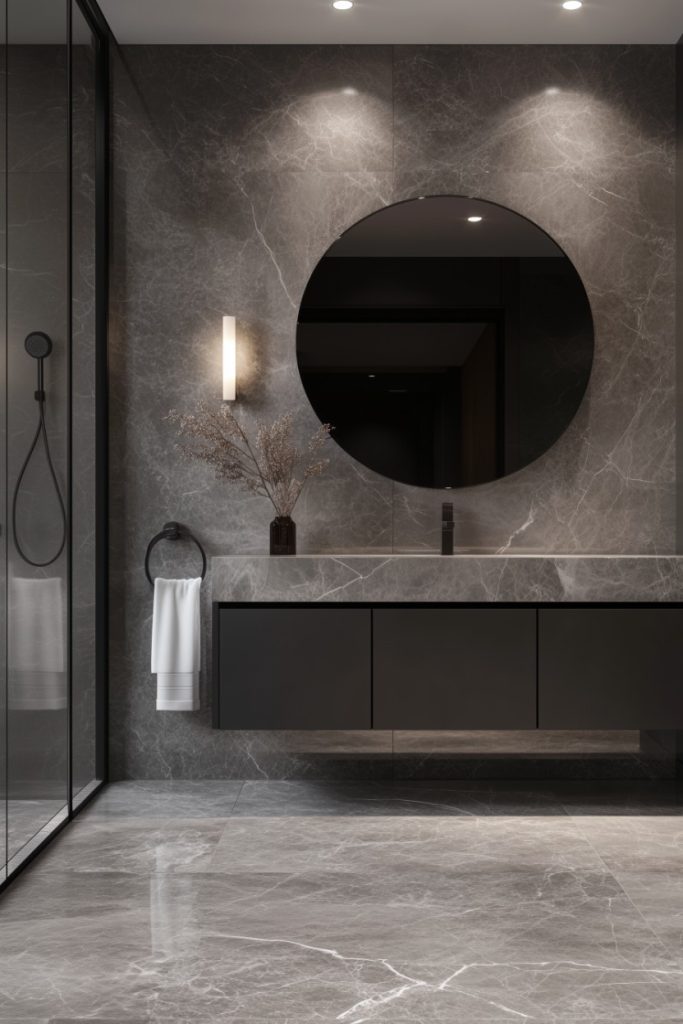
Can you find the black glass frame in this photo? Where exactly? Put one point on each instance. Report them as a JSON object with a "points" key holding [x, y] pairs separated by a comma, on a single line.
{"points": [[102, 41]]}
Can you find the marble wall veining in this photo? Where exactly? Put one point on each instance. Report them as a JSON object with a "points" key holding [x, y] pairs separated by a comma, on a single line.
{"points": [[234, 169]]}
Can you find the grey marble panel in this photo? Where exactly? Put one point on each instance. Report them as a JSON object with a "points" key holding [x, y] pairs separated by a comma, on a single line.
{"points": [[561, 135], [410, 918], [221, 110], [463, 578], [177, 799], [234, 170], [647, 862], [36, 102], [158, 845], [420, 918]]}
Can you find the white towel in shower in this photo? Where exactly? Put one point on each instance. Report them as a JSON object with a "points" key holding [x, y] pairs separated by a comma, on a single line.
{"points": [[37, 642], [176, 644]]}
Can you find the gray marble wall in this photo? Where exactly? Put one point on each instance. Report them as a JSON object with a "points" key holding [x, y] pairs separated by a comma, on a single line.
{"points": [[234, 170]]}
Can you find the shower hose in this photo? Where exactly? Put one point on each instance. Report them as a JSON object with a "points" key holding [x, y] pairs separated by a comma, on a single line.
{"points": [[39, 346]]}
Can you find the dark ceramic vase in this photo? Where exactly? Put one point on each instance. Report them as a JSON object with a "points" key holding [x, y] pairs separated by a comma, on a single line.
{"points": [[283, 536]]}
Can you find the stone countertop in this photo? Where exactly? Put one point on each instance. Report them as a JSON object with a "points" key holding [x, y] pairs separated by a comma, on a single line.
{"points": [[466, 578]]}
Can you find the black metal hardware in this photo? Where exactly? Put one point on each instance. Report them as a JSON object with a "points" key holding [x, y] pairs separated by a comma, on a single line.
{"points": [[173, 531], [447, 527], [38, 345]]}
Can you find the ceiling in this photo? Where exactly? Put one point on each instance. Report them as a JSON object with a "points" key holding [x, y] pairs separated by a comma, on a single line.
{"points": [[394, 21]]}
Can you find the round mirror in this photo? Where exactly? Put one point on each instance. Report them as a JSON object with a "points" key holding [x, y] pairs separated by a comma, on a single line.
{"points": [[448, 341]]}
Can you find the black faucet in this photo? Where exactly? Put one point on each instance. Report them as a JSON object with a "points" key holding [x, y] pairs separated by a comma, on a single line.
{"points": [[447, 528]]}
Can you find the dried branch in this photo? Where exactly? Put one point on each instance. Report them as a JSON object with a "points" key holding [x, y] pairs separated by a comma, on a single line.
{"points": [[273, 466]]}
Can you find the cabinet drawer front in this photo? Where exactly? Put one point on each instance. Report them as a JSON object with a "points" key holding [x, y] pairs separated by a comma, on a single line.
{"points": [[454, 668], [294, 668], [611, 668]]}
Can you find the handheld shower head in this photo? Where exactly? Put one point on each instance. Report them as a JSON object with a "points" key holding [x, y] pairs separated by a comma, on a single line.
{"points": [[38, 344]]}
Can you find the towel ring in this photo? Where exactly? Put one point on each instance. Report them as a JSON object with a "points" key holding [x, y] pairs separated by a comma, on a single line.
{"points": [[173, 531]]}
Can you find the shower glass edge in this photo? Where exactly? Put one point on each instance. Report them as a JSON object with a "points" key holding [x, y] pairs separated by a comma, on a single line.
{"points": [[53, 205]]}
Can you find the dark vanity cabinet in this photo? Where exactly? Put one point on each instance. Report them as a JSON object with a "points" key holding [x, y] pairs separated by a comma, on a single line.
{"points": [[454, 668], [610, 668], [292, 667], [440, 666]]}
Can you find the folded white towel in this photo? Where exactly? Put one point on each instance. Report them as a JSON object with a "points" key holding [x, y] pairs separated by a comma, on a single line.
{"points": [[176, 644], [36, 644]]}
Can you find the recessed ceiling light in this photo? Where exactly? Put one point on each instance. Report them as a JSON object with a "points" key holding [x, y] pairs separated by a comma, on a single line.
{"points": [[346, 5], [572, 5], [474, 219]]}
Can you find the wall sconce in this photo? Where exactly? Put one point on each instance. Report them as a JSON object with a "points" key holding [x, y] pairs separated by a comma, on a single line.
{"points": [[229, 359]]}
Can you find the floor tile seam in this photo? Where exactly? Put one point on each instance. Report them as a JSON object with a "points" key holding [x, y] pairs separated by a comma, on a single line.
{"points": [[237, 796], [615, 875], [677, 957], [141, 824]]}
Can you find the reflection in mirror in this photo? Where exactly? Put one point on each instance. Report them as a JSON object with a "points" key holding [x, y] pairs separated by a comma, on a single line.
{"points": [[448, 341]]}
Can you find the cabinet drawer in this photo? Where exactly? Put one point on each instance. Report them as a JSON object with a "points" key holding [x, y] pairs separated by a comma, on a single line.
{"points": [[454, 668], [293, 668], [611, 668]]}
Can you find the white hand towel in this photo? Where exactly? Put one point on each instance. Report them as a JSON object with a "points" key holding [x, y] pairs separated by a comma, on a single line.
{"points": [[37, 657], [176, 644]]}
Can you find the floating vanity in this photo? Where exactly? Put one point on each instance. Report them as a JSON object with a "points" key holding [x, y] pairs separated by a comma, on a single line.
{"points": [[469, 642]]}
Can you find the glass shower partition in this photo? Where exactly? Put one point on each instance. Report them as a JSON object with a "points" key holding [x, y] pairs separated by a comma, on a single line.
{"points": [[54, 427]]}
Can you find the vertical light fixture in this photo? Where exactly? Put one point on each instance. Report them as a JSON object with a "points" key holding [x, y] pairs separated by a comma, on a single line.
{"points": [[229, 359]]}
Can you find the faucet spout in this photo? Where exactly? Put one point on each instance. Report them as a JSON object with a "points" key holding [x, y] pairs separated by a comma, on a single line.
{"points": [[447, 527]]}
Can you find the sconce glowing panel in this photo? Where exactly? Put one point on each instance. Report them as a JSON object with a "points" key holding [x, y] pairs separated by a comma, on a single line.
{"points": [[229, 360]]}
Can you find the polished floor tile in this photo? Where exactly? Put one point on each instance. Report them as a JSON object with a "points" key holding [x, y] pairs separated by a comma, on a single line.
{"points": [[405, 904], [155, 845], [166, 799]]}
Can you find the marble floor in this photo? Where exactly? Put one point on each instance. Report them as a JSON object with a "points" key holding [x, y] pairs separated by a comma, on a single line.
{"points": [[298, 902]]}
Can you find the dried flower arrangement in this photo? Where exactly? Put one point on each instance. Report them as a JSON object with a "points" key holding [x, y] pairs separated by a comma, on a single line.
{"points": [[272, 465]]}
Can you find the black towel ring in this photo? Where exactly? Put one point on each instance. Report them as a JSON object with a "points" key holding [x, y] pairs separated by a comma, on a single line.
{"points": [[173, 531]]}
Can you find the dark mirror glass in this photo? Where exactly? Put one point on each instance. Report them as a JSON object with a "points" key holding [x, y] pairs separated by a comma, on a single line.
{"points": [[448, 341]]}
